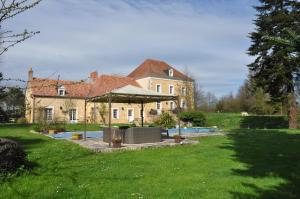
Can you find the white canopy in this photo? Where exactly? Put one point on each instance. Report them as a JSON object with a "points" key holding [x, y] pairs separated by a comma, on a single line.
{"points": [[133, 94]]}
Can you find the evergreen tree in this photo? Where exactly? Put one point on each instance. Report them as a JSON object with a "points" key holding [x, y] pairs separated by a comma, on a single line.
{"points": [[273, 69]]}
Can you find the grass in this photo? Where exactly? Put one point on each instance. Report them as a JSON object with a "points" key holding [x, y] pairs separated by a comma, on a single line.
{"points": [[224, 121], [244, 164]]}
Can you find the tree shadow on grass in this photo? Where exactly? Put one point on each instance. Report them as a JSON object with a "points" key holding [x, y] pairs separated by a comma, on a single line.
{"points": [[268, 153], [27, 144]]}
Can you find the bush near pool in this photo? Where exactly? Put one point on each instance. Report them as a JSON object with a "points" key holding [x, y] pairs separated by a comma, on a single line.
{"points": [[197, 118]]}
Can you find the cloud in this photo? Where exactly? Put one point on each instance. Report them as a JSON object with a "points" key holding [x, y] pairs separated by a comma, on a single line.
{"points": [[208, 37]]}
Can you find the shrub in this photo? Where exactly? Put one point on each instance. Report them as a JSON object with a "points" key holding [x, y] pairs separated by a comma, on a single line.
{"points": [[12, 156], [261, 122], [152, 125], [197, 118], [57, 127], [165, 121], [44, 126], [124, 127], [22, 120]]}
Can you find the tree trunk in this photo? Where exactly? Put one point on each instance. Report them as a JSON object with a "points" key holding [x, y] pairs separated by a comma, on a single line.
{"points": [[292, 113]]}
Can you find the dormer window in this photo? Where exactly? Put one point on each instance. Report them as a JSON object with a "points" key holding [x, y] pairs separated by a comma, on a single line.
{"points": [[171, 72], [61, 91]]}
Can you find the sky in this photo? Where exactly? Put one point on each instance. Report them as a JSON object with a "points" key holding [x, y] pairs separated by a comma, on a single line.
{"points": [[209, 38]]}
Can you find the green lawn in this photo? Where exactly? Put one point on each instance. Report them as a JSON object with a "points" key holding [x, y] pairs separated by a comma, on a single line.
{"points": [[224, 120], [244, 164]]}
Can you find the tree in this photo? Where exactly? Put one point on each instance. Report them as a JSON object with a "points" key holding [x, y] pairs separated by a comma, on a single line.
{"points": [[274, 68], [260, 103], [8, 10], [244, 96], [14, 102], [2, 93], [166, 121], [67, 106], [228, 103], [103, 112], [204, 101]]}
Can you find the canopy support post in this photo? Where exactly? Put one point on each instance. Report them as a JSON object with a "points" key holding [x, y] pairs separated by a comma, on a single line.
{"points": [[142, 113], [178, 115], [84, 134], [109, 119]]}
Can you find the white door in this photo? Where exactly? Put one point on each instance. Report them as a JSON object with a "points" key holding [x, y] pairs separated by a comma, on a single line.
{"points": [[130, 115]]}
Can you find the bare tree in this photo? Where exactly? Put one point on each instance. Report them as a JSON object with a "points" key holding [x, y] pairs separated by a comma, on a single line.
{"points": [[188, 93], [68, 104], [8, 10], [103, 112]]}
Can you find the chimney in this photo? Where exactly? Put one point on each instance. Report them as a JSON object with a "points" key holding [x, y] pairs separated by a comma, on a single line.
{"points": [[93, 75], [30, 74]]}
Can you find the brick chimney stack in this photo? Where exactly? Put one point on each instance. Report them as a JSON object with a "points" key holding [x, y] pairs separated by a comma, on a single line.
{"points": [[30, 74], [94, 75]]}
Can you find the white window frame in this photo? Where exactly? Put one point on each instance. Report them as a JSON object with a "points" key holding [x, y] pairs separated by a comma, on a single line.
{"points": [[173, 89], [171, 72], [118, 113], [160, 90], [183, 91], [171, 105], [76, 115], [183, 102], [132, 113], [160, 106], [61, 88], [52, 113]]}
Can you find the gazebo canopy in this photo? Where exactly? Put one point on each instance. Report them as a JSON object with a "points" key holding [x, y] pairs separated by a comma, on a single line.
{"points": [[129, 94], [132, 94]]}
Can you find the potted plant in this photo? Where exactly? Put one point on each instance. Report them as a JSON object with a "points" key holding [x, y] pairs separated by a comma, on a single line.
{"points": [[177, 138], [76, 136], [117, 142]]}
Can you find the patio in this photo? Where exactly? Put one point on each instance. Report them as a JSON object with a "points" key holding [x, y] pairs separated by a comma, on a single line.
{"points": [[103, 147]]}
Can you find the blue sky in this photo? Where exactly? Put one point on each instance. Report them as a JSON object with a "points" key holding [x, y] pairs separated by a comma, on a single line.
{"points": [[209, 37]]}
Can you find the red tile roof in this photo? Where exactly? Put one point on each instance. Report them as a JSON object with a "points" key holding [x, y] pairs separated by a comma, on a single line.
{"points": [[49, 87], [107, 83], [101, 85], [104, 83], [156, 68]]}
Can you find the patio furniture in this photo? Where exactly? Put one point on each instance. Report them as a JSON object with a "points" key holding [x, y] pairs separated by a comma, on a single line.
{"points": [[135, 135]]}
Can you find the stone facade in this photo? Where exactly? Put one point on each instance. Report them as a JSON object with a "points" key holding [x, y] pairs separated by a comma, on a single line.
{"points": [[71, 109]]}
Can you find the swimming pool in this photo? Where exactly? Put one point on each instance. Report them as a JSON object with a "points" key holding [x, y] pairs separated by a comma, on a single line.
{"points": [[191, 130], [99, 134], [68, 135]]}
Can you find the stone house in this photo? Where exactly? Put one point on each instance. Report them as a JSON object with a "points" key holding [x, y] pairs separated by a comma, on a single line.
{"points": [[64, 101]]}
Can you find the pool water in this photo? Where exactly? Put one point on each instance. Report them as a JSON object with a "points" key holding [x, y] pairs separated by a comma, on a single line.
{"points": [[99, 134], [68, 135], [191, 130]]}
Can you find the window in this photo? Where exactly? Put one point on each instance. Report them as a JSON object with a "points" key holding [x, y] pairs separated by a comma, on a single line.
{"points": [[130, 114], [115, 113], [158, 105], [61, 91], [183, 91], [171, 105], [171, 72], [48, 114], [171, 89], [183, 104], [158, 88], [73, 115]]}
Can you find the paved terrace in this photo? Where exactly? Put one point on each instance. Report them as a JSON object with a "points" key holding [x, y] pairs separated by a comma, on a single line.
{"points": [[103, 147]]}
